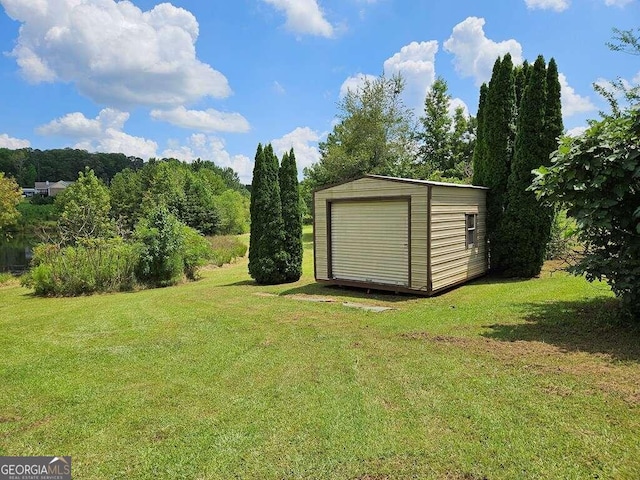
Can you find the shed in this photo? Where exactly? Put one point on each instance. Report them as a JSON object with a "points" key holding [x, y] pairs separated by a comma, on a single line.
{"points": [[399, 234]]}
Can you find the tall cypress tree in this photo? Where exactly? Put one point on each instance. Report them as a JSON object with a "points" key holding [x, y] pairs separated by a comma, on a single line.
{"points": [[553, 126], [499, 133], [267, 258], [292, 216], [521, 74], [480, 152], [526, 223]]}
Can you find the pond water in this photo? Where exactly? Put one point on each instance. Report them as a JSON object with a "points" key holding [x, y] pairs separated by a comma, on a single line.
{"points": [[16, 252]]}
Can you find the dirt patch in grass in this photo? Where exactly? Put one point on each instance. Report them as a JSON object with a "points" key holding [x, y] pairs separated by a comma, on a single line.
{"points": [[621, 380], [303, 297]]}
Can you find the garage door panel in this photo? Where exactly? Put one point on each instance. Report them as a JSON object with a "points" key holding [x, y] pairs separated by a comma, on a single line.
{"points": [[370, 241]]}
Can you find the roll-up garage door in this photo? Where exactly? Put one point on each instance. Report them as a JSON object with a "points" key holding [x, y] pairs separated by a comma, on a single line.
{"points": [[370, 241]]}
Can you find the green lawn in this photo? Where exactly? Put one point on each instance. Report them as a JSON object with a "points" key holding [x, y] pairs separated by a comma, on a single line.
{"points": [[496, 379]]}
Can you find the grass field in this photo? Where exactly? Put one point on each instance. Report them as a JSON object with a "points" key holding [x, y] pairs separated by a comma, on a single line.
{"points": [[222, 378]]}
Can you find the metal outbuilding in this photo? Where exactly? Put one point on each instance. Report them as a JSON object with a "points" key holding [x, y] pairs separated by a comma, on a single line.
{"points": [[399, 234]]}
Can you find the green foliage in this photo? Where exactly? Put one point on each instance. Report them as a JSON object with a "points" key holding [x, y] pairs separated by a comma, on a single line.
{"points": [[126, 198], [161, 258], [226, 248], [518, 228], [195, 193], [199, 207], [521, 75], [10, 196], [526, 225], [480, 151], [434, 136], [562, 240], [375, 134], [5, 278], [92, 265], [42, 200], [446, 144], [163, 184], [233, 209], [28, 165], [196, 252], [553, 125], [596, 177], [34, 216], [499, 131], [463, 143], [267, 255], [85, 210], [291, 216]]}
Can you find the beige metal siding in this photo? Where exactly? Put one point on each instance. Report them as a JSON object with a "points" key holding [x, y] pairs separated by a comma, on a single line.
{"points": [[451, 261], [373, 188], [370, 241]]}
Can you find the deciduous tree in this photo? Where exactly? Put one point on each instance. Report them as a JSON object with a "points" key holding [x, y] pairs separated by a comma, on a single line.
{"points": [[10, 196], [374, 134]]}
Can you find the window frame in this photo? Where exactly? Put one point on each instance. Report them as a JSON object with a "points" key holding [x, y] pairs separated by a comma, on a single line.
{"points": [[471, 231]]}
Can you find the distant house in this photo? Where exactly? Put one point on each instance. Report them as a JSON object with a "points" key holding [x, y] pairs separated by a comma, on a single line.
{"points": [[49, 189]]}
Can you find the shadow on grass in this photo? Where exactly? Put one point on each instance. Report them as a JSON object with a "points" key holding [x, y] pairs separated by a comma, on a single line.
{"points": [[592, 326], [307, 237], [348, 293]]}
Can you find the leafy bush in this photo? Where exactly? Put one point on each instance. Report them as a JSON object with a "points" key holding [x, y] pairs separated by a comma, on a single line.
{"points": [[34, 216], [93, 265], [596, 177], [226, 248], [85, 208], [196, 252], [42, 200], [233, 209], [162, 238]]}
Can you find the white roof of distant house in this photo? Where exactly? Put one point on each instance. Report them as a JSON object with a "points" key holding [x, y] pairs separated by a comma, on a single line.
{"points": [[58, 184]]}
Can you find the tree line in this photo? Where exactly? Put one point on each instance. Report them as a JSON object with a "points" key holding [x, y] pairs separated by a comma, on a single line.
{"points": [[146, 229], [27, 165]]}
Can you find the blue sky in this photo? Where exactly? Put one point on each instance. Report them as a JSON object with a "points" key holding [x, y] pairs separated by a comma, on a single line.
{"points": [[212, 79]]}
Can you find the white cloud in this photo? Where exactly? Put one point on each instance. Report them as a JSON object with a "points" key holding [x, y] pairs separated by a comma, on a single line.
{"points": [[455, 103], [114, 53], [204, 120], [576, 131], [304, 142], [573, 103], [474, 53], [557, 5], [355, 83], [13, 143], [101, 134], [211, 148], [617, 3], [278, 88], [416, 63], [304, 17]]}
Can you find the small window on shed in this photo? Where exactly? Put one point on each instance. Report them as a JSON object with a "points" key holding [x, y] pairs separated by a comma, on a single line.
{"points": [[472, 232]]}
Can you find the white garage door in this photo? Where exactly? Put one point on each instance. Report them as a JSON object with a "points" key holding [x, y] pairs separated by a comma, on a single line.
{"points": [[370, 241]]}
